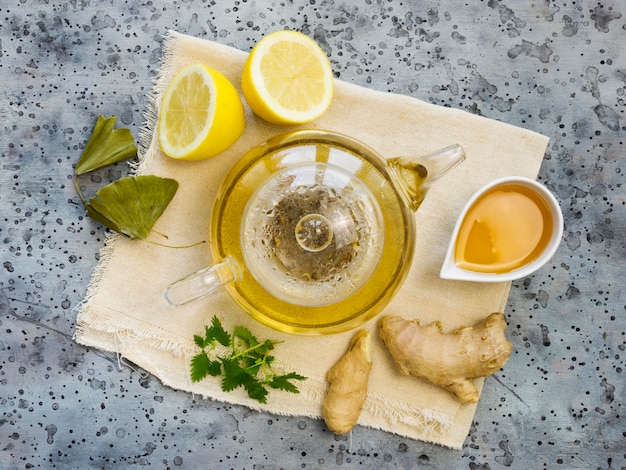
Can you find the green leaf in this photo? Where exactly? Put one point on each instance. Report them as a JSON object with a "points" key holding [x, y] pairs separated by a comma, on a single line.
{"points": [[217, 332], [282, 382], [132, 205], [255, 389], [246, 364], [106, 146], [200, 365], [215, 368], [252, 367], [246, 335], [199, 340], [234, 375], [267, 346]]}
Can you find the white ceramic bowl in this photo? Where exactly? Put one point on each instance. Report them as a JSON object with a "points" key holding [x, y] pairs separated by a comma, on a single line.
{"points": [[450, 270]]}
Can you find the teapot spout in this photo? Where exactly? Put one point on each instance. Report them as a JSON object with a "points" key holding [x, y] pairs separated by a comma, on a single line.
{"points": [[413, 176]]}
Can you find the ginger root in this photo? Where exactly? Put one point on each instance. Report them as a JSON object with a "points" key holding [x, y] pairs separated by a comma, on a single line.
{"points": [[447, 360], [348, 381]]}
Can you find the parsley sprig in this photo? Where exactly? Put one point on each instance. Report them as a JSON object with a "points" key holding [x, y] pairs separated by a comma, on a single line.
{"points": [[247, 362]]}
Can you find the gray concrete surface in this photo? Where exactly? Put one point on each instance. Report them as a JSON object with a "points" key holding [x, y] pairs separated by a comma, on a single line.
{"points": [[555, 67]]}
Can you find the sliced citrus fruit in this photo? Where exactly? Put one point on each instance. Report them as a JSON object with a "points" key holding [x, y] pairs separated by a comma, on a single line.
{"points": [[287, 78], [201, 114]]}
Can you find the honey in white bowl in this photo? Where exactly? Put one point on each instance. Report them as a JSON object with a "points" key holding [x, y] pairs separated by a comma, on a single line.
{"points": [[506, 228]]}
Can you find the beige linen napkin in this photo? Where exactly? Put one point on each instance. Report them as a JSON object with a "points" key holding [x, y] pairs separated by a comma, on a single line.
{"points": [[125, 312]]}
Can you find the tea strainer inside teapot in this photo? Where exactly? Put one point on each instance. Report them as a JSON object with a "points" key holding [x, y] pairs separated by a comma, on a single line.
{"points": [[312, 234]]}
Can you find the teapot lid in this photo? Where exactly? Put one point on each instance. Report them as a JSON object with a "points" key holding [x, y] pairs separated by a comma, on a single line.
{"points": [[312, 234]]}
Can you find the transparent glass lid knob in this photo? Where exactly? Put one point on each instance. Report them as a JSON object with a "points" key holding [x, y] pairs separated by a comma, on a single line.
{"points": [[312, 234]]}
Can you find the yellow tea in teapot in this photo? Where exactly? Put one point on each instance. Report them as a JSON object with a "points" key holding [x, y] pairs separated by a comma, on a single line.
{"points": [[302, 274], [506, 228]]}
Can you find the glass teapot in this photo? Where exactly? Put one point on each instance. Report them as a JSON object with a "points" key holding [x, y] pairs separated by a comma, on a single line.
{"points": [[313, 232]]}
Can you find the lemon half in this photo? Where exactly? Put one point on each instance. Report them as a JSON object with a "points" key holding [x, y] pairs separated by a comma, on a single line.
{"points": [[287, 78], [201, 114]]}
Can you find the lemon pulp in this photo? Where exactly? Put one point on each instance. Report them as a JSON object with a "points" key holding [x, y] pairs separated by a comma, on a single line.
{"points": [[201, 114], [287, 79]]}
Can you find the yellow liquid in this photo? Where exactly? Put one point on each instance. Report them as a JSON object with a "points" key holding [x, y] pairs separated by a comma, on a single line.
{"points": [[365, 302], [505, 229]]}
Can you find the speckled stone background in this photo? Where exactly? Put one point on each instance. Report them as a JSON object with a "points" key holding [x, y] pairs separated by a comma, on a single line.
{"points": [[556, 67]]}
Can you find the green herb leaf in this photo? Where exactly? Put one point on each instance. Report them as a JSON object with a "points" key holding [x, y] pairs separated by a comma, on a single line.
{"points": [[253, 367], [215, 368], [200, 365], [234, 375], [217, 332], [244, 334], [132, 205], [247, 364], [199, 340], [282, 382], [266, 347], [106, 146], [256, 390]]}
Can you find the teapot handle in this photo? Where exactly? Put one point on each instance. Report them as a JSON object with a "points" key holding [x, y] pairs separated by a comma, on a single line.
{"points": [[203, 282]]}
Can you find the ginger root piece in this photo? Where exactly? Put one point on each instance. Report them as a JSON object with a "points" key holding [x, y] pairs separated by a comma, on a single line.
{"points": [[447, 360], [348, 381]]}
